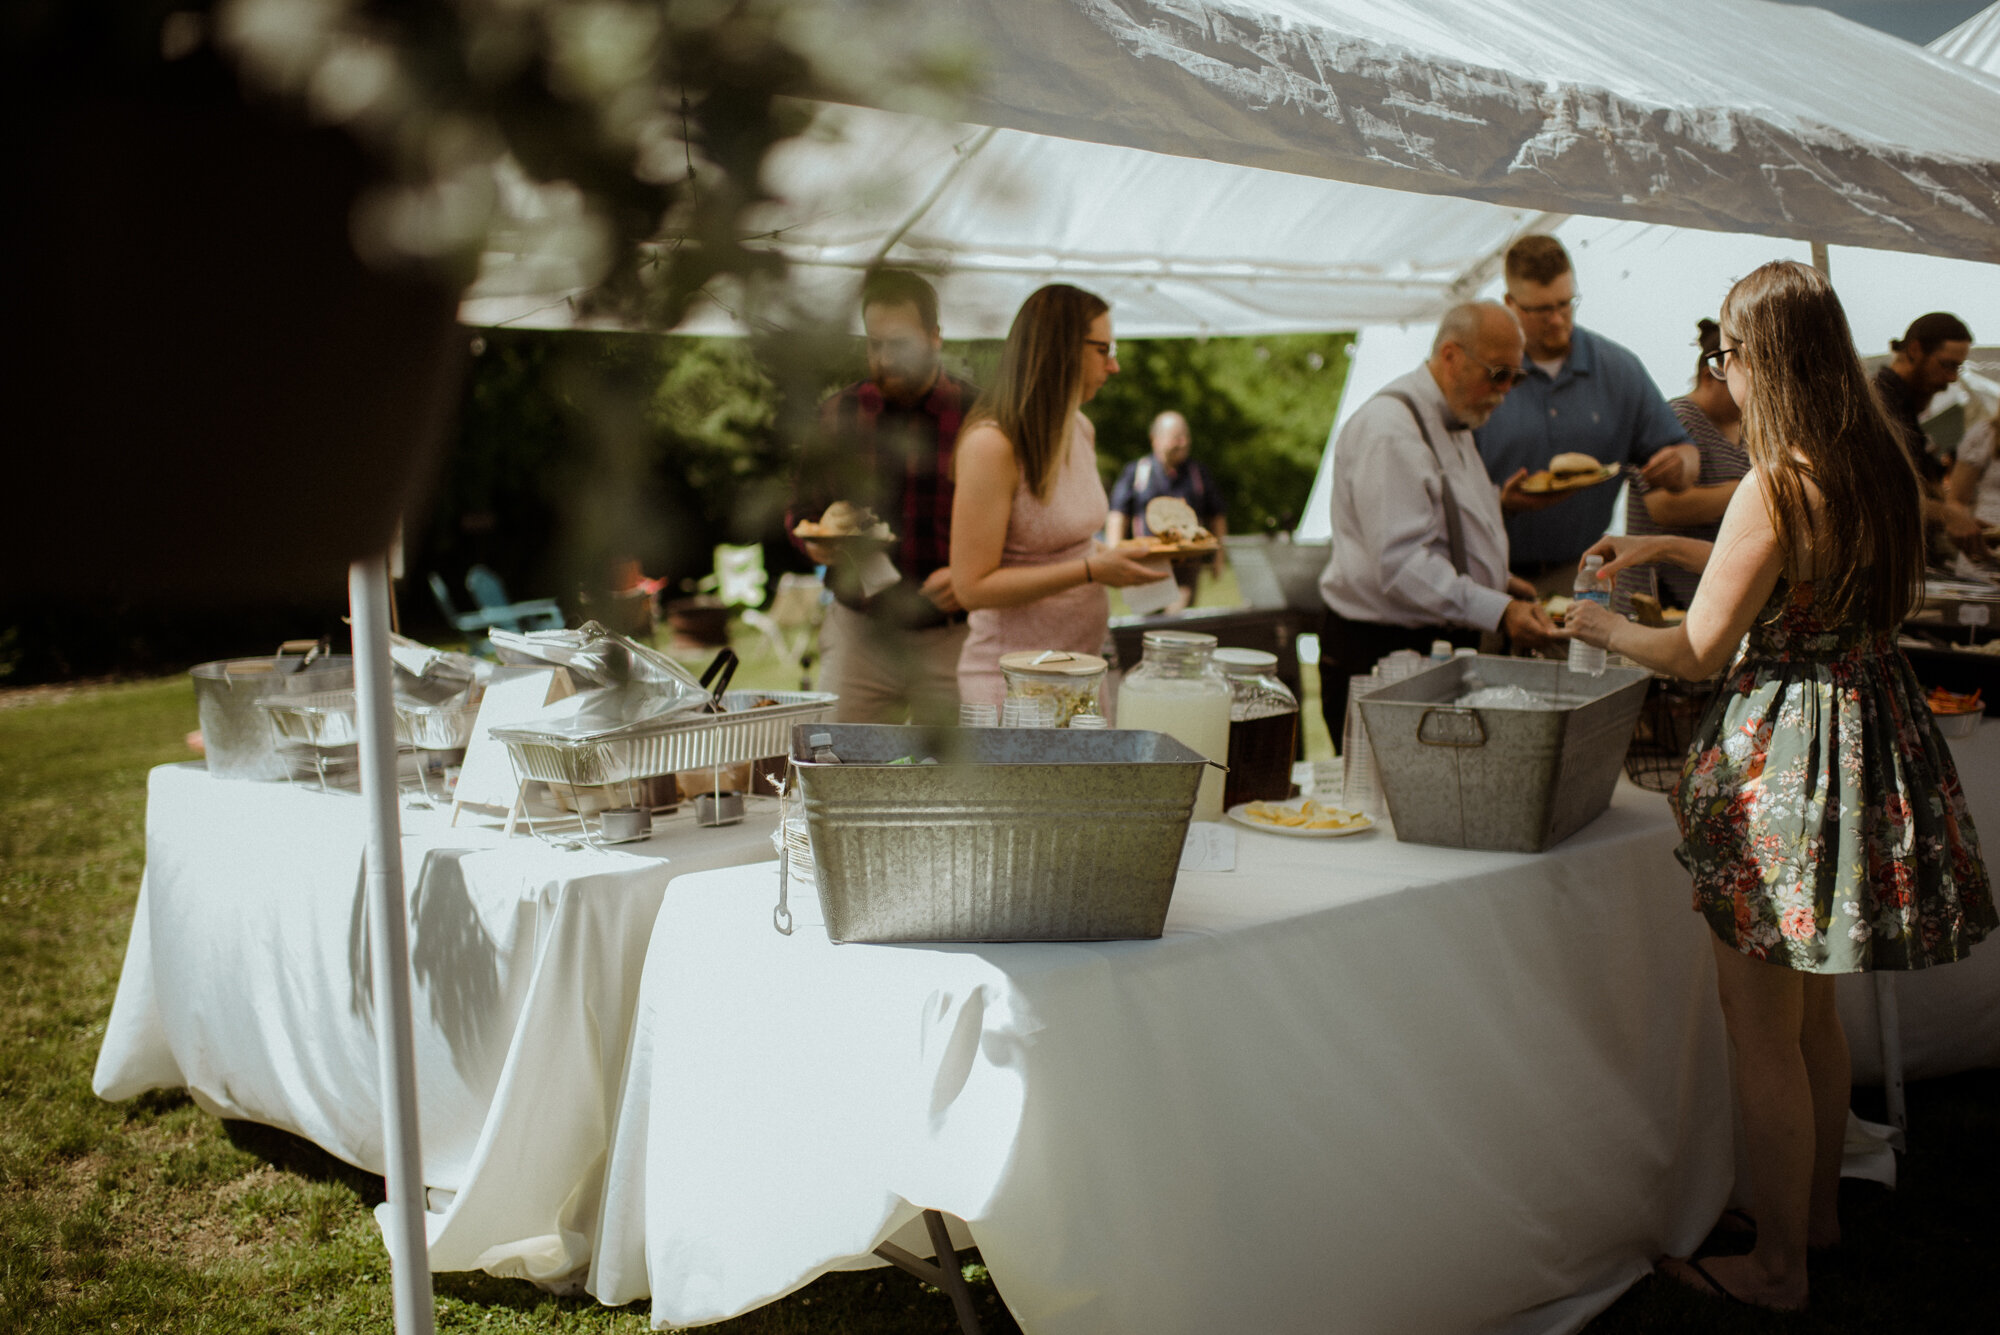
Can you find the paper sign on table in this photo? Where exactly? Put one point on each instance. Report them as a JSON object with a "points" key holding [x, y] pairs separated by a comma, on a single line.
{"points": [[515, 695], [1209, 847]]}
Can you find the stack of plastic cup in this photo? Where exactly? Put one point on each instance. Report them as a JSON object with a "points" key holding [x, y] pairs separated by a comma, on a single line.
{"points": [[1359, 788], [1028, 711], [1088, 722], [972, 715]]}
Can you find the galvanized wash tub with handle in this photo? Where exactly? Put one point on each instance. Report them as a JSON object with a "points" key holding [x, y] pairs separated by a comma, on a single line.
{"points": [[1517, 780], [1018, 834]]}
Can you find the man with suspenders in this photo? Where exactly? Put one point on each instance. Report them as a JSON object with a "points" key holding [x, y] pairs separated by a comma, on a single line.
{"points": [[1419, 543]]}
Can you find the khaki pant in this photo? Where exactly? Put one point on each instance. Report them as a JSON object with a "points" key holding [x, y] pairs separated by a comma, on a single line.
{"points": [[884, 674]]}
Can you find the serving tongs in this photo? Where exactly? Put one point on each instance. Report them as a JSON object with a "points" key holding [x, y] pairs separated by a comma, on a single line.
{"points": [[719, 671]]}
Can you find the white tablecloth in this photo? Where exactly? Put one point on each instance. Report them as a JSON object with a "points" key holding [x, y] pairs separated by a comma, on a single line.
{"points": [[1359, 1085], [247, 982], [1950, 1016]]}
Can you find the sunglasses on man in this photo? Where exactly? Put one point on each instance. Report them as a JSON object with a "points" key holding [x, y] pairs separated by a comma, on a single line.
{"points": [[1498, 376]]}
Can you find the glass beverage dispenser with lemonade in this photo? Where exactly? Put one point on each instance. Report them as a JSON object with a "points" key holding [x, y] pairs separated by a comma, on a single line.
{"points": [[1177, 690]]}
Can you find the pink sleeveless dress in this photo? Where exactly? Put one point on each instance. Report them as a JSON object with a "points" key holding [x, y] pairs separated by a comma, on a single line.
{"points": [[1039, 532]]}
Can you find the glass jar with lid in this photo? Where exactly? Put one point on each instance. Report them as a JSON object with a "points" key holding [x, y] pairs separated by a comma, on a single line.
{"points": [[1178, 690], [1263, 727], [1071, 682]]}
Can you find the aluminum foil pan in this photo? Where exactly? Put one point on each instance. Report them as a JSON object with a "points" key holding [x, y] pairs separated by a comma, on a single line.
{"points": [[737, 737], [323, 720]]}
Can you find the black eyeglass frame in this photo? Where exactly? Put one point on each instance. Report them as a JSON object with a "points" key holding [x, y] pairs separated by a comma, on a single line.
{"points": [[1716, 363]]}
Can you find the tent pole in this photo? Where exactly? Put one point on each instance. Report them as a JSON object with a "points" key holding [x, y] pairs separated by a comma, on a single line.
{"points": [[1819, 259], [389, 948]]}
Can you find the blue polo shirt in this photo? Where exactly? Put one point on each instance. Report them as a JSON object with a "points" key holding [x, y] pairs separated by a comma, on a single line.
{"points": [[1602, 403]]}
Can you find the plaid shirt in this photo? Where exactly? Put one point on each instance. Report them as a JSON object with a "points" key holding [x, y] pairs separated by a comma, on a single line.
{"points": [[897, 461]]}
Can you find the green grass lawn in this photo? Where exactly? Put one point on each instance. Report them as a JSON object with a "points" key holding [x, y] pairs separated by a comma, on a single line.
{"points": [[153, 1216]]}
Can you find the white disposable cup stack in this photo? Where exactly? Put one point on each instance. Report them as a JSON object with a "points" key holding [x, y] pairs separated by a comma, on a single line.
{"points": [[1028, 712], [972, 715], [1359, 789]]}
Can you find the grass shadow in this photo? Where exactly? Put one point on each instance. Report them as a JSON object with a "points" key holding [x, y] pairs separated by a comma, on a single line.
{"points": [[297, 1155]]}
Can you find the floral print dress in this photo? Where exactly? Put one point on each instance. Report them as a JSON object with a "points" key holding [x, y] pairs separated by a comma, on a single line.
{"points": [[1820, 812]]}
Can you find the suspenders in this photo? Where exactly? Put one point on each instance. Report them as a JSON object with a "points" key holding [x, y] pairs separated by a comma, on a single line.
{"points": [[1454, 524]]}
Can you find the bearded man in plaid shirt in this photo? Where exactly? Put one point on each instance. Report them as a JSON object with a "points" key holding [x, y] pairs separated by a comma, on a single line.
{"points": [[886, 443]]}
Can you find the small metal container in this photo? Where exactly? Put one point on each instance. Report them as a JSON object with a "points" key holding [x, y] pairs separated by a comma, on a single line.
{"points": [[1016, 835], [622, 825], [1518, 780], [713, 809]]}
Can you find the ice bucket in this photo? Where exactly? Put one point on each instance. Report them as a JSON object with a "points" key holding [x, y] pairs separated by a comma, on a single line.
{"points": [[236, 735], [1518, 780], [1019, 834]]}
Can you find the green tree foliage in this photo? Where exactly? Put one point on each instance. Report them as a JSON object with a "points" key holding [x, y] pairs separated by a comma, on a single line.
{"points": [[1258, 409], [555, 427]]}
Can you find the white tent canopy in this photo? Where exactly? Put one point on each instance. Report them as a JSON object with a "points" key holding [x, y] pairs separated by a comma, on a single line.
{"points": [[1975, 42], [1214, 169]]}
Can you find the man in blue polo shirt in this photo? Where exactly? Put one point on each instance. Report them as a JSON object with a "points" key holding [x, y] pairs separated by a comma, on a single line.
{"points": [[1583, 394]]}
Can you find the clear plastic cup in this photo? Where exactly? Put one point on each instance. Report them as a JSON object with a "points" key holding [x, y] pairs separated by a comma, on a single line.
{"points": [[971, 715]]}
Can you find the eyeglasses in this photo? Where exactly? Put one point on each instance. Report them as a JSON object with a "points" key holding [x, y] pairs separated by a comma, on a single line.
{"points": [[1547, 308], [1717, 362], [1110, 350], [1508, 376]]}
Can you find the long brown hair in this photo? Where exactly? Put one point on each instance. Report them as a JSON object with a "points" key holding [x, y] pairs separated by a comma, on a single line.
{"points": [[1040, 380], [1811, 401]]}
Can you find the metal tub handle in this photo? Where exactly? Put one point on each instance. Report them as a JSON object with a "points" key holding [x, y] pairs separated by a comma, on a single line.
{"points": [[1454, 733]]}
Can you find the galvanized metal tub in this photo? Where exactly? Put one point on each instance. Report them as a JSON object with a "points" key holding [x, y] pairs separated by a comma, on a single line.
{"points": [[1517, 780], [1019, 834], [236, 735]]}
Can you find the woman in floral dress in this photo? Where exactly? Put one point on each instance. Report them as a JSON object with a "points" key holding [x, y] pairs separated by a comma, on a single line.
{"points": [[1820, 813]]}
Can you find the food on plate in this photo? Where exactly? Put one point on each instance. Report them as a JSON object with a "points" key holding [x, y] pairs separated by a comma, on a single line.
{"points": [[1953, 702], [844, 519], [1307, 815], [1173, 523], [1569, 469]]}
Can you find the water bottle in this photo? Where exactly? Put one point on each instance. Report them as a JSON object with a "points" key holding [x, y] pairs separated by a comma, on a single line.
{"points": [[1590, 587]]}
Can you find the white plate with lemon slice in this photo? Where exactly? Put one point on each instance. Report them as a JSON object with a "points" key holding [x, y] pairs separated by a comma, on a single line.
{"points": [[1301, 818]]}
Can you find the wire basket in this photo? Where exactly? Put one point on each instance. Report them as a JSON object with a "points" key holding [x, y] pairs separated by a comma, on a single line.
{"points": [[1668, 719]]}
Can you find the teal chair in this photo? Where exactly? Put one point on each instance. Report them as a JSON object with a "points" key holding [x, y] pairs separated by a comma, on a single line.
{"points": [[494, 610]]}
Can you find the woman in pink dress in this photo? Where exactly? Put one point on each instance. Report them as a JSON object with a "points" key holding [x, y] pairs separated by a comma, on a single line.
{"points": [[1029, 501]]}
